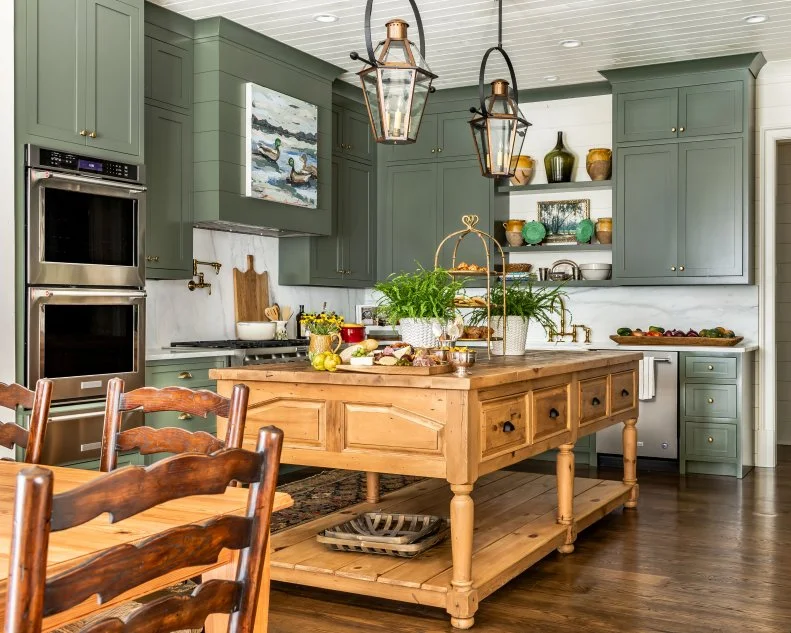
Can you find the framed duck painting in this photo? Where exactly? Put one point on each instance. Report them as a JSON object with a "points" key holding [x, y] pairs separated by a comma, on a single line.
{"points": [[282, 142]]}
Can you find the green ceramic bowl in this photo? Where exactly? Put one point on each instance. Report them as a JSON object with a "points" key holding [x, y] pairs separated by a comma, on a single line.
{"points": [[534, 232], [584, 231]]}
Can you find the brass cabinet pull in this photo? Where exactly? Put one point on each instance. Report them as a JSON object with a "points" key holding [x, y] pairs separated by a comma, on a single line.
{"points": [[433, 150], [595, 402], [711, 440], [508, 427], [624, 393], [711, 367], [83, 132], [152, 258], [92, 134], [710, 401], [439, 150], [185, 375], [681, 268], [185, 416], [673, 268], [672, 129], [681, 129], [553, 413]]}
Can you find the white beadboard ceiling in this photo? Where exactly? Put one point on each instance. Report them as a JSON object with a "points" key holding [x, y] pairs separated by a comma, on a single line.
{"points": [[615, 33]]}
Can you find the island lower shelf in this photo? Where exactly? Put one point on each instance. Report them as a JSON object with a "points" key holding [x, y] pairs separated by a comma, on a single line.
{"points": [[515, 527]]}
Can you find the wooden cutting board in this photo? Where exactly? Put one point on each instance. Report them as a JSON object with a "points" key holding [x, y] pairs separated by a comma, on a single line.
{"points": [[250, 293]]}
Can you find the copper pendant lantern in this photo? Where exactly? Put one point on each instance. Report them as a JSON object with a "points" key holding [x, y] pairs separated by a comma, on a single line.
{"points": [[498, 129], [396, 81]]}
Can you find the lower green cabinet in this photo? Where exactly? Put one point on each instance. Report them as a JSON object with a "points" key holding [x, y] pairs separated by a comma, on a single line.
{"points": [[584, 452]]}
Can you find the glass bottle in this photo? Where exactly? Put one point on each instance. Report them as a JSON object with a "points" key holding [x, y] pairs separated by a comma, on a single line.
{"points": [[300, 327]]}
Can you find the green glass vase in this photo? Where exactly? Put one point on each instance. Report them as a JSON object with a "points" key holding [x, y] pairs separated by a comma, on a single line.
{"points": [[559, 163]]}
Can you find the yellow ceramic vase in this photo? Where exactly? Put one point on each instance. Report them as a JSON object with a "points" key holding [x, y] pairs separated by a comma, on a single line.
{"points": [[320, 343]]}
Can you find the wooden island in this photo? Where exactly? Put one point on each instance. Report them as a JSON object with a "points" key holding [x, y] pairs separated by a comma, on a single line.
{"points": [[461, 433]]}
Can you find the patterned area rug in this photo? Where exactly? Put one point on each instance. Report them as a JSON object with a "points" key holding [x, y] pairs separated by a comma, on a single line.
{"points": [[328, 492]]}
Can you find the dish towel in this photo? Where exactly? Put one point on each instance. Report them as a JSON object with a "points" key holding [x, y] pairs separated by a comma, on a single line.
{"points": [[647, 380]]}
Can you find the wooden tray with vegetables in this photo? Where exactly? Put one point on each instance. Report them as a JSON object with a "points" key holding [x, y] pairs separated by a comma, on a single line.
{"points": [[714, 337]]}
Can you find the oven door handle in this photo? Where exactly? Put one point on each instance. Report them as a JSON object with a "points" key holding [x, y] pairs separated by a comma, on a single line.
{"points": [[38, 293], [37, 175]]}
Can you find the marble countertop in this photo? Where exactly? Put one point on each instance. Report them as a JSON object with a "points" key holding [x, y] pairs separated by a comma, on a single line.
{"points": [[179, 353]]}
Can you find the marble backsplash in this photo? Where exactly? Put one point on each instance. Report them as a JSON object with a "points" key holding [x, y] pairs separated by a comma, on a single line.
{"points": [[174, 313]]}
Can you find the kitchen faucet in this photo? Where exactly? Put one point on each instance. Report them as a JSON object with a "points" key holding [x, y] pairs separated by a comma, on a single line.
{"points": [[557, 336], [201, 283]]}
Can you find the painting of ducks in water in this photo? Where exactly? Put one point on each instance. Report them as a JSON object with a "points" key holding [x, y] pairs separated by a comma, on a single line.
{"points": [[282, 135]]}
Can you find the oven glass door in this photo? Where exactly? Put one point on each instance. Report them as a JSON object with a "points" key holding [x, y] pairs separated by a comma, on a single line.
{"points": [[82, 338], [84, 231]]}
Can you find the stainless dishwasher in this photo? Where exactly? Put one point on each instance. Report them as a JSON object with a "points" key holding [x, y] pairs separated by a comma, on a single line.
{"points": [[657, 426]]}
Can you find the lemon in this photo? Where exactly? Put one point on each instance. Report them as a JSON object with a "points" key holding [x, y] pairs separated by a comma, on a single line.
{"points": [[318, 361], [331, 362]]}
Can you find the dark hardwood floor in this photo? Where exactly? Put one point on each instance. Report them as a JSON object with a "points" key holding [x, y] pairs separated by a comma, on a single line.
{"points": [[700, 555]]}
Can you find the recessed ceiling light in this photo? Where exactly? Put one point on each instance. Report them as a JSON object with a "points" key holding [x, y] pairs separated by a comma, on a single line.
{"points": [[571, 43], [551, 78], [758, 18], [326, 18]]}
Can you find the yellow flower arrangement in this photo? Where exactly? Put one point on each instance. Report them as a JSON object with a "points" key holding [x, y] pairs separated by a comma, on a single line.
{"points": [[322, 323]]}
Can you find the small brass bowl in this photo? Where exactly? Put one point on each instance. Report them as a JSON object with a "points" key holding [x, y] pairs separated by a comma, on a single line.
{"points": [[460, 361]]}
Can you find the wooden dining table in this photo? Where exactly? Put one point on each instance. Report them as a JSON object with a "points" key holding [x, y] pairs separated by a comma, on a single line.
{"points": [[71, 547]]}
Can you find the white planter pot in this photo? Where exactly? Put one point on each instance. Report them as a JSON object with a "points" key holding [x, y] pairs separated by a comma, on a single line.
{"points": [[516, 335], [417, 332]]}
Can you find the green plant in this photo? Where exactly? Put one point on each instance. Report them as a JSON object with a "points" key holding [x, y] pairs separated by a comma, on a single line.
{"points": [[523, 300], [423, 294]]}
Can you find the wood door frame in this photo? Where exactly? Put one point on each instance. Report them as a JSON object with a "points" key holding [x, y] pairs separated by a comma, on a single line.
{"points": [[766, 424]]}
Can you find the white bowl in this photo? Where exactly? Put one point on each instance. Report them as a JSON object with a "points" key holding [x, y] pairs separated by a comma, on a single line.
{"points": [[595, 272], [256, 330]]}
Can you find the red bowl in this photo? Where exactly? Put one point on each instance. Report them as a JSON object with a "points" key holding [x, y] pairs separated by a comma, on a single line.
{"points": [[352, 333]]}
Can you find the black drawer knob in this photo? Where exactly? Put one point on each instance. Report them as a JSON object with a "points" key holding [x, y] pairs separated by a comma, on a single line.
{"points": [[624, 393], [508, 427], [595, 402], [553, 413]]}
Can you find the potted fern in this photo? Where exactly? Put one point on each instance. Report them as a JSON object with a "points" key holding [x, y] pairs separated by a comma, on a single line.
{"points": [[417, 300], [523, 303]]}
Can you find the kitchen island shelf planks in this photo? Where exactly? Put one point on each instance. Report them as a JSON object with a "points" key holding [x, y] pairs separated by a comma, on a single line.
{"points": [[461, 433]]}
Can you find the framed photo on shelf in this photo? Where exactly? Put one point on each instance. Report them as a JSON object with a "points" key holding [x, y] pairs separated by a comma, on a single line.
{"points": [[366, 315], [561, 218]]}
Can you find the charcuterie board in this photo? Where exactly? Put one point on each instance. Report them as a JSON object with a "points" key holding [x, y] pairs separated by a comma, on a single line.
{"points": [[398, 370]]}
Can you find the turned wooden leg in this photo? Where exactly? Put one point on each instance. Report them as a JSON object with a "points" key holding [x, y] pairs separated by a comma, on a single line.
{"points": [[372, 487], [565, 477], [462, 515], [630, 460]]}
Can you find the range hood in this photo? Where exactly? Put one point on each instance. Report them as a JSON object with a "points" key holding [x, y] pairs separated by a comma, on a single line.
{"points": [[266, 231]]}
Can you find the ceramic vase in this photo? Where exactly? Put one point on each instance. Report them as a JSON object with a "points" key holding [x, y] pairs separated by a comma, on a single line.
{"points": [[516, 335], [599, 163], [559, 163], [523, 168], [320, 343], [514, 238], [604, 230], [417, 332]]}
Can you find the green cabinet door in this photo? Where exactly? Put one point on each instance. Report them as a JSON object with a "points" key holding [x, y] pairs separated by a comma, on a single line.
{"points": [[461, 190], [711, 109], [410, 217], [711, 208], [55, 69], [168, 74], [114, 77], [646, 212], [357, 138], [424, 148], [454, 135], [326, 263], [358, 221], [646, 116], [169, 201]]}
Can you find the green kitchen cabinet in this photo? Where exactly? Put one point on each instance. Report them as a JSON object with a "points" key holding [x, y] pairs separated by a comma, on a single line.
{"points": [[647, 115], [84, 74], [169, 201], [351, 133], [445, 135], [347, 257], [168, 73], [716, 413]]}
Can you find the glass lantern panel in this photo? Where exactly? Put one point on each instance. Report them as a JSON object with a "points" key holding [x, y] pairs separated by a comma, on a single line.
{"points": [[397, 53], [368, 79], [419, 98], [519, 141], [481, 137], [420, 62], [500, 144], [396, 86], [500, 105]]}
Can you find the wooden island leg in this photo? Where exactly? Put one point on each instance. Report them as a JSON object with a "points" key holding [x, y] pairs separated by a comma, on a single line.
{"points": [[463, 602], [630, 460], [565, 482], [372, 487]]}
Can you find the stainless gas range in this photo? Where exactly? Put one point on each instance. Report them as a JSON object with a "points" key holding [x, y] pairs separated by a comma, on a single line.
{"points": [[254, 352]]}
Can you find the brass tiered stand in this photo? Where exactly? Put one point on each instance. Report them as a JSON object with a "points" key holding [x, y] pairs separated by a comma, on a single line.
{"points": [[469, 222]]}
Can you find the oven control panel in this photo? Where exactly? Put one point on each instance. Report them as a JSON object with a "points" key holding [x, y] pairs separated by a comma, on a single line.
{"points": [[74, 162]]}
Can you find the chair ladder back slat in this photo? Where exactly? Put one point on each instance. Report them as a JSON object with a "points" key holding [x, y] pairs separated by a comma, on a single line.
{"points": [[149, 440], [14, 395], [200, 402], [11, 435]]}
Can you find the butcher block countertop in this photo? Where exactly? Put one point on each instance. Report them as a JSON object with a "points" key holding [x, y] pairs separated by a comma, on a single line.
{"points": [[485, 373]]}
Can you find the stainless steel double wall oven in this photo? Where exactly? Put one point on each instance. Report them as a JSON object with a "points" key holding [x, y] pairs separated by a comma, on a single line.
{"points": [[85, 280]]}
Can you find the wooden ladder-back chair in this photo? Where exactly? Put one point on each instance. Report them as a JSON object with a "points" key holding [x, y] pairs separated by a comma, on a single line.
{"points": [[169, 440], [38, 401], [122, 494]]}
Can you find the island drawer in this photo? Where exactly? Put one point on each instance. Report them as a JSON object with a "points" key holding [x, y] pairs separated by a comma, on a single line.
{"points": [[503, 424], [714, 367], [549, 412], [710, 440], [190, 375], [710, 401], [623, 390], [593, 397]]}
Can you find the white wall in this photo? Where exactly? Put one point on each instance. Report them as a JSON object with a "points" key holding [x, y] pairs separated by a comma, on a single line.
{"points": [[176, 314], [7, 304]]}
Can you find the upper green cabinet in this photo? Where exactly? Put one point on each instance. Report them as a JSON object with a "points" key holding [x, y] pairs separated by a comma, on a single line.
{"points": [[647, 115], [442, 136], [352, 135], [84, 73], [168, 74]]}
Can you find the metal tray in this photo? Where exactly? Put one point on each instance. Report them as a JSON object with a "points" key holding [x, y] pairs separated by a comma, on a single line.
{"points": [[401, 550], [382, 527]]}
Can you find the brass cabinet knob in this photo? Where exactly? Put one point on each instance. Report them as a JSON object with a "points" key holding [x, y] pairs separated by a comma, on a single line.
{"points": [[681, 129], [433, 150], [152, 258], [711, 440], [711, 368], [92, 134], [185, 416], [439, 149], [672, 129], [710, 400], [185, 375], [673, 268], [681, 268], [83, 132]]}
